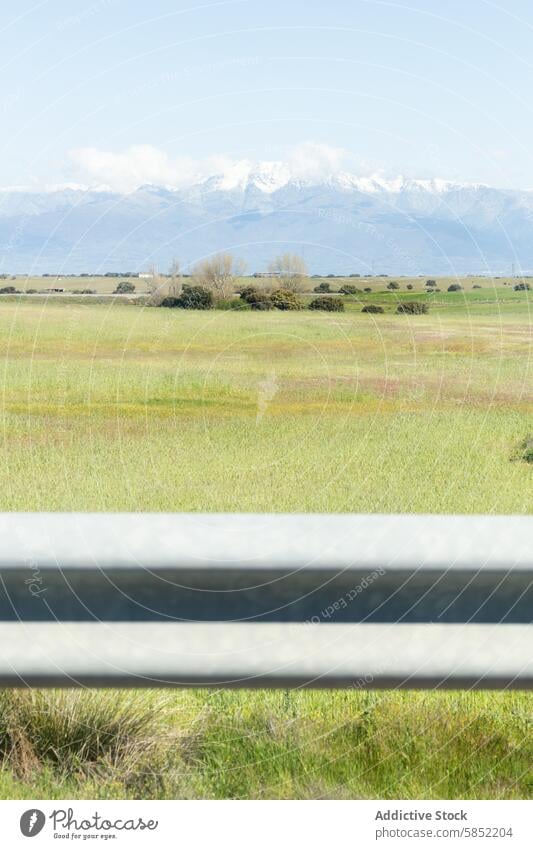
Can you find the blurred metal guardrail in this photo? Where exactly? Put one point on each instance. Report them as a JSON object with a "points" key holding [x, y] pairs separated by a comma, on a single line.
{"points": [[266, 600]]}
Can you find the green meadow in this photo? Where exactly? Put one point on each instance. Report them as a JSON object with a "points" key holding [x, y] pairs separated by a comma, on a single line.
{"points": [[117, 406], [121, 407]]}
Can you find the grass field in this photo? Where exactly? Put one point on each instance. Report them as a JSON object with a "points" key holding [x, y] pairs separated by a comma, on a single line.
{"points": [[122, 407], [102, 285]]}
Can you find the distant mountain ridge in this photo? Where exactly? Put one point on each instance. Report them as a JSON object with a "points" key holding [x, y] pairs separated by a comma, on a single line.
{"points": [[341, 224]]}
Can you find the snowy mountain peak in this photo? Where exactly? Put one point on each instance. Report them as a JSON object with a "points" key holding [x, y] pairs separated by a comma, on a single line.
{"points": [[343, 222], [271, 176]]}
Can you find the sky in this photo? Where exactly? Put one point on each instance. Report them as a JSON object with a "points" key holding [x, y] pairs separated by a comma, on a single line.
{"points": [[125, 92]]}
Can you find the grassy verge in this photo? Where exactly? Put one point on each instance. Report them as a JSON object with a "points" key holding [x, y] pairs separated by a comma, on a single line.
{"points": [[266, 745]]}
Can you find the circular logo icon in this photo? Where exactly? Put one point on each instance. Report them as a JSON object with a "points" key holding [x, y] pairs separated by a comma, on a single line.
{"points": [[32, 822]]}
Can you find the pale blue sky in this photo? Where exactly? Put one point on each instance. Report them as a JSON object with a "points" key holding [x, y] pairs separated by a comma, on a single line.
{"points": [[421, 88]]}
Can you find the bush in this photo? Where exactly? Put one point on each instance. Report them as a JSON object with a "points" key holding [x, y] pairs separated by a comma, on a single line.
{"points": [[455, 287], [195, 298], [348, 289], [31, 291], [477, 286], [124, 288], [373, 308], [327, 304], [192, 298], [282, 299], [431, 283], [520, 287], [249, 293], [525, 450], [256, 299], [84, 291], [231, 304], [323, 287], [393, 285], [262, 302], [409, 286], [368, 289], [9, 290], [413, 308], [170, 301]]}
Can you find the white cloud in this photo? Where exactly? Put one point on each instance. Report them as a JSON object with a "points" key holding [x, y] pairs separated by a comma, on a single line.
{"points": [[132, 167], [141, 164]]}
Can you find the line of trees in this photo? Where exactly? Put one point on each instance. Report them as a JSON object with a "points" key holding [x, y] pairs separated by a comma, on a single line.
{"points": [[220, 273]]}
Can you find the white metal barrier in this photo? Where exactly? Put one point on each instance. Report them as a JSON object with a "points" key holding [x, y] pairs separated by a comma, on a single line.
{"points": [[266, 600]]}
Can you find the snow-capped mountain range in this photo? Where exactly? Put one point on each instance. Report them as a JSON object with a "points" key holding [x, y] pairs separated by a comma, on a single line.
{"points": [[341, 223]]}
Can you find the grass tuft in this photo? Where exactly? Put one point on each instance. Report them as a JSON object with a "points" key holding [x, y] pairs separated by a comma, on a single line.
{"points": [[77, 732]]}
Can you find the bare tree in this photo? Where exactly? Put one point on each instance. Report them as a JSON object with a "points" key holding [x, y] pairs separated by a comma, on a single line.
{"points": [[154, 285], [218, 274], [153, 282], [176, 280], [291, 270]]}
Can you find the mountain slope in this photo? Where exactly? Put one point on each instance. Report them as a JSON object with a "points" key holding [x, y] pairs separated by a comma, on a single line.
{"points": [[342, 224]]}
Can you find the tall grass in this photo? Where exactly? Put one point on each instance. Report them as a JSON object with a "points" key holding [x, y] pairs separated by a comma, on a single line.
{"points": [[266, 745], [76, 732]]}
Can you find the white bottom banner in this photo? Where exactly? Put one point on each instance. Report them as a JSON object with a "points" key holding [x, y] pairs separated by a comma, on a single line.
{"points": [[268, 824]]}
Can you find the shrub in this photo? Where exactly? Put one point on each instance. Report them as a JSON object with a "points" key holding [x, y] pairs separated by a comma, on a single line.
{"points": [[368, 289], [393, 285], [431, 283], [520, 287], [327, 304], [124, 288], [455, 287], [248, 293], [349, 289], [31, 291], [476, 286], [195, 298], [170, 301], [8, 290], [282, 299], [256, 299], [262, 302], [84, 291], [231, 304], [373, 308], [409, 286], [322, 287], [525, 450], [413, 308]]}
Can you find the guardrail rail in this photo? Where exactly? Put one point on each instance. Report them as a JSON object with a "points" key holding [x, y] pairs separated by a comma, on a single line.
{"points": [[269, 600]]}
